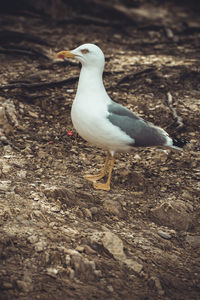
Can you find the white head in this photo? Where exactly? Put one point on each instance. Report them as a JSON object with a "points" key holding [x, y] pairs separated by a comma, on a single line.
{"points": [[89, 55]]}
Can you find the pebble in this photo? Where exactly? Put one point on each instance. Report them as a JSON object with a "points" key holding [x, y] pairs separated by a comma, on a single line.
{"points": [[87, 213], [8, 149], [67, 259], [84, 268], [98, 273], [2, 115], [71, 273], [24, 286], [52, 272], [40, 246], [134, 265], [110, 288], [33, 239], [117, 36], [137, 157], [7, 156], [114, 245], [80, 248], [33, 114], [193, 240], [113, 207], [36, 198], [22, 174], [164, 235], [89, 250], [55, 209], [172, 214], [4, 186], [6, 169], [94, 210], [52, 224], [3, 139], [7, 285], [157, 284]]}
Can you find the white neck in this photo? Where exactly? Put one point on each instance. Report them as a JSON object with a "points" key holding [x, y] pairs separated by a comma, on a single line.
{"points": [[90, 82]]}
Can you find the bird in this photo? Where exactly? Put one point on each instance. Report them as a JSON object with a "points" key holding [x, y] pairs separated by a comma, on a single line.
{"points": [[103, 122]]}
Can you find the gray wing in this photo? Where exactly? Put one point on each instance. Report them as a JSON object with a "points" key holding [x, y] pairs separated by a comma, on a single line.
{"points": [[143, 133]]}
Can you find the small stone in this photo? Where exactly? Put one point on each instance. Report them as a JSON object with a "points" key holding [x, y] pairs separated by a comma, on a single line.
{"points": [[114, 245], [70, 231], [157, 284], [84, 269], [164, 169], [24, 286], [7, 156], [71, 273], [110, 288], [33, 114], [87, 213], [52, 272], [163, 189], [72, 252], [98, 273], [8, 149], [4, 186], [22, 174], [164, 235], [172, 214], [7, 285], [55, 209], [52, 224], [3, 139], [113, 207], [33, 239], [36, 198], [117, 36], [3, 118], [80, 248], [193, 240], [40, 246], [41, 154], [27, 150], [134, 265], [6, 169], [67, 259], [187, 195], [89, 250], [94, 210]]}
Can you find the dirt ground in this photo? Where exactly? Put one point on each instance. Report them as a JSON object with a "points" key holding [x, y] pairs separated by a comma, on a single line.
{"points": [[59, 237]]}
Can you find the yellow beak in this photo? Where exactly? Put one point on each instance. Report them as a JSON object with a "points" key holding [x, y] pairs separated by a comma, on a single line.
{"points": [[63, 54]]}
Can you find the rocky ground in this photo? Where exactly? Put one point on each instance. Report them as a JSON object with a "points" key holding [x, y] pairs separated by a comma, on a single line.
{"points": [[60, 238]]}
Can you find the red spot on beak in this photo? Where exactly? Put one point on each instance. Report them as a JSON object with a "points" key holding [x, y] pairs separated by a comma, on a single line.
{"points": [[60, 56]]}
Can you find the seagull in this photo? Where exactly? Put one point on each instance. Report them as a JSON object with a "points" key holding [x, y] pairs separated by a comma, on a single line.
{"points": [[103, 122]]}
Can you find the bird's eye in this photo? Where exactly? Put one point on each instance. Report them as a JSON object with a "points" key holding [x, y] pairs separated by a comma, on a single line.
{"points": [[84, 51]]}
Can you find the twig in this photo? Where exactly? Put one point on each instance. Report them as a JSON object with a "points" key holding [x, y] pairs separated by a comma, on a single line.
{"points": [[7, 35], [24, 85], [16, 50], [85, 20], [135, 75], [176, 117]]}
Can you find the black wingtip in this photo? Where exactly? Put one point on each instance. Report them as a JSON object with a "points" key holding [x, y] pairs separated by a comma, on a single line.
{"points": [[180, 142]]}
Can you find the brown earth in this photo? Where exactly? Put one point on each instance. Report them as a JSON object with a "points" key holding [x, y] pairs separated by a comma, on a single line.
{"points": [[59, 237]]}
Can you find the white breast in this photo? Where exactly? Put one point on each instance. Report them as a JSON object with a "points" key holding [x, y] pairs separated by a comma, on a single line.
{"points": [[90, 121]]}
